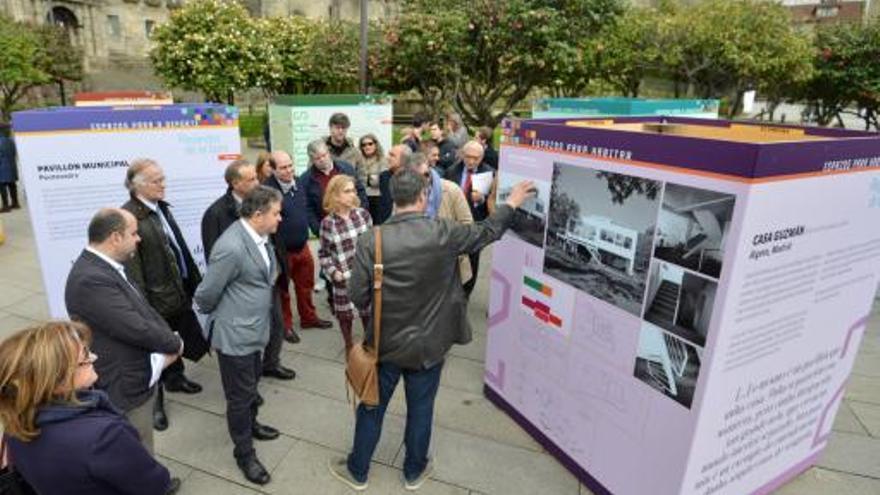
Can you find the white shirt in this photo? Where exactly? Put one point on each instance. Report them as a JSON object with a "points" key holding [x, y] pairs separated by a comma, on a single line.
{"points": [[260, 240], [115, 264], [165, 225]]}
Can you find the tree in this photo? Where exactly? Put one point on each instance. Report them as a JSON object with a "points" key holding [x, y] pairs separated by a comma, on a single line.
{"points": [[213, 46], [621, 187], [628, 50], [330, 61], [722, 46], [486, 56], [846, 72], [22, 64], [64, 61]]}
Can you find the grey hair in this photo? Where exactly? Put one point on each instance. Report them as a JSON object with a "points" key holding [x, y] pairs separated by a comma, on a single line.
{"points": [[233, 170], [133, 176], [259, 200], [415, 160], [406, 187], [314, 147]]}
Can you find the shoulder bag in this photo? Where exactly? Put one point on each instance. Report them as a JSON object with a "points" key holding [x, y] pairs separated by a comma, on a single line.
{"points": [[362, 363]]}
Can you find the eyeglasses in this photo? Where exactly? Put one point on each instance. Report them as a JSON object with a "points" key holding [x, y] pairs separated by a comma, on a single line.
{"points": [[91, 357]]}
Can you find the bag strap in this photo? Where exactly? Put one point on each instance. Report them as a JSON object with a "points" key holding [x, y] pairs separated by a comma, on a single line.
{"points": [[378, 274]]}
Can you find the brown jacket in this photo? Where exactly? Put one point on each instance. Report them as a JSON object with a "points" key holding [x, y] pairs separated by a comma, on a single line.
{"points": [[454, 206]]}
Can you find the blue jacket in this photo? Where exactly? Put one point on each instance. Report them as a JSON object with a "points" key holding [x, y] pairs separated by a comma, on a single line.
{"points": [[8, 170], [87, 449], [294, 228], [315, 194]]}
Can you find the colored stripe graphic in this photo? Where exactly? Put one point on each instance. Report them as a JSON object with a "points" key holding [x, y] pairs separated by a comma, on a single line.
{"points": [[538, 286], [542, 312]]}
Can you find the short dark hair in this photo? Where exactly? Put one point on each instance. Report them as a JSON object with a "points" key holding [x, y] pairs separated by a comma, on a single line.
{"points": [[420, 119], [233, 171], [105, 222], [406, 187], [486, 133], [427, 144], [340, 119], [259, 200]]}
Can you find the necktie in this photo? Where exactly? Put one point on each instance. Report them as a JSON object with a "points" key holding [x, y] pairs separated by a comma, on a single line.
{"points": [[468, 184], [172, 243]]}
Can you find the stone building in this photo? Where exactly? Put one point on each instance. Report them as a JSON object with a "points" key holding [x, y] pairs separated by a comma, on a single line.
{"points": [[115, 34]]}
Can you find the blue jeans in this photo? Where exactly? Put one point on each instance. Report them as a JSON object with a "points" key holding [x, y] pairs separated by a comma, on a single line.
{"points": [[421, 389]]}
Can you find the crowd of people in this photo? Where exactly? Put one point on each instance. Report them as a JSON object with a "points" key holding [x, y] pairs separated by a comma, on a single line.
{"points": [[140, 305]]}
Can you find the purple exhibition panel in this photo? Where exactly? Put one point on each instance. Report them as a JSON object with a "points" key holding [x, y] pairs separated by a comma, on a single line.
{"points": [[678, 314]]}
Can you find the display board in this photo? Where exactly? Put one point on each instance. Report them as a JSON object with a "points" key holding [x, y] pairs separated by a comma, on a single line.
{"points": [[678, 310], [546, 108], [73, 162], [294, 121]]}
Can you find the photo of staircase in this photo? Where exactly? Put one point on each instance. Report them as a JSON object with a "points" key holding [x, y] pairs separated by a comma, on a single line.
{"points": [[680, 301], [692, 228], [668, 364]]}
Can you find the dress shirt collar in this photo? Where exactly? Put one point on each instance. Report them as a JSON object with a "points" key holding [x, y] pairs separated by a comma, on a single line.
{"points": [[115, 264], [149, 204], [259, 240]]}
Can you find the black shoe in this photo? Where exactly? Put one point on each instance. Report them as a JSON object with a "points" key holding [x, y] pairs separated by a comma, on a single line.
{"points": [[319, 323], [280, 372], [173, 487], [182, 384], [253, 470], [264, 432], [160, 419], [291, 336], [5, 209], [260, 400]]}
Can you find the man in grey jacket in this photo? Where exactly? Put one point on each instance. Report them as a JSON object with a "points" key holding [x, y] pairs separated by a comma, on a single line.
{"points": [[418, 325], [237, 294]]}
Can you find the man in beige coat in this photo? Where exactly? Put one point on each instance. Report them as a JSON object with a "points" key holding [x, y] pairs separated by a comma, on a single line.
{"points": [[452, 204]]}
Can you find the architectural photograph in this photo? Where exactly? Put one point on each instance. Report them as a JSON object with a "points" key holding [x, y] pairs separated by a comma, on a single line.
{"points": [[668, 364], [692, 228], [530, 219], [680, 302], [601, 227]]}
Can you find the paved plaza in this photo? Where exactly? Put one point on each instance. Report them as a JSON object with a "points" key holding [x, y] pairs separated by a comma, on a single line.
{"points": [[477, 448]]}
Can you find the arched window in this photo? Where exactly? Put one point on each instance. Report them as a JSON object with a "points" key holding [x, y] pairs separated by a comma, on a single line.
{"points": [[66, 19]]}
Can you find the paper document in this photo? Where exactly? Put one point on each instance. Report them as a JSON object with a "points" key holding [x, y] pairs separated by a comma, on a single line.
{"points": [[157, 364], [482, 182]]}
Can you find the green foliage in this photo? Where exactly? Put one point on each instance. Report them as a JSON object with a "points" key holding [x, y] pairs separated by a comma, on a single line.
{"points": [[485, 56], [628, 50], [32, 56], [847, 71], [213, 46], [250, 125]]}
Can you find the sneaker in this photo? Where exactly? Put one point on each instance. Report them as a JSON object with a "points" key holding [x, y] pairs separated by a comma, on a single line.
{"points": [[417, 483], [339, 469]]}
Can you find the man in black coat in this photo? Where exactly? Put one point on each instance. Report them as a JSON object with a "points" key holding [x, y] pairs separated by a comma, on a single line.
{"points": [[164, 270], [241, 178], [462, 174], [397, 155], [126, 329]]}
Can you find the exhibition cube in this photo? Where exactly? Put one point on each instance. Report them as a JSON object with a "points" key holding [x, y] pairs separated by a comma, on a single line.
{"points": [[678, 308]]}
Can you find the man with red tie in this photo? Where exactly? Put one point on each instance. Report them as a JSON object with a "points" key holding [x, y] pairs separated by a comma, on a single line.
{"points": [[462, 173]]}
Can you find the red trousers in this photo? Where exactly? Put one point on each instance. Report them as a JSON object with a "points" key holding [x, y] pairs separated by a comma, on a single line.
{"points": [[301, 267]]}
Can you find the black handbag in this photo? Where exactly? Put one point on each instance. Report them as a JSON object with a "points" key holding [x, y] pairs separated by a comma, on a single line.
{"points": [[11, 481]]}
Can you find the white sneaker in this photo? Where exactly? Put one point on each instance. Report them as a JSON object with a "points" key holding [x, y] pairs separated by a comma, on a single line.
{"points": [[420, 480]]}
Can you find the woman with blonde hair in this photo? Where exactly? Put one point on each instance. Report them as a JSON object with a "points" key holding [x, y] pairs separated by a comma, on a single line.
{"points": [[344, 222], [62, 436], [370, 163]]}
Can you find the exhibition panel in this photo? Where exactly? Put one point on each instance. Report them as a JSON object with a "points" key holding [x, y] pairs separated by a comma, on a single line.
{"points": [[690, 296]]}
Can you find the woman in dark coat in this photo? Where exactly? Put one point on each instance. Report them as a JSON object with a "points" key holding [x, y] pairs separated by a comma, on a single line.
{"points": [[63, 437], [8, 171]]}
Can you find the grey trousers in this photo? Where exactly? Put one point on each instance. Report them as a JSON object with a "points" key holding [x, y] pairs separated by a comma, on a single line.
{"points": [[141, 418]]}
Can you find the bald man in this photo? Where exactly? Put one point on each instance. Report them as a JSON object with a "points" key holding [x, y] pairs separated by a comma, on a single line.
{"points": [[125, 328], [293, 233]]}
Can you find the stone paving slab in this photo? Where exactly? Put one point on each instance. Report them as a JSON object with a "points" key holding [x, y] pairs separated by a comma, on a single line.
{"points": [[479, 450]]}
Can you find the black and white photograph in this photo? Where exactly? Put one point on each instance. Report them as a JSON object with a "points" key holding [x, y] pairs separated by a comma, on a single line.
{"points": [[693, 227], [530, 219], [668, 364], [600, 233], [680, 302]]}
